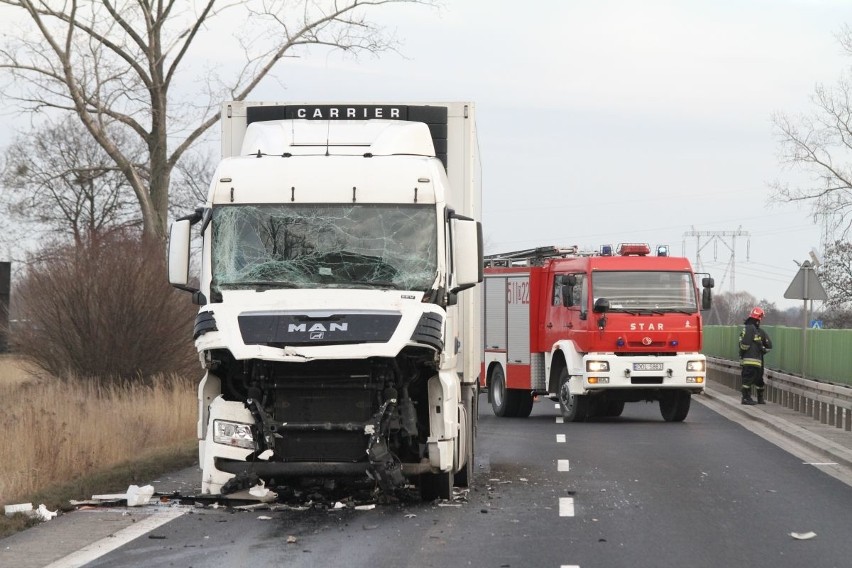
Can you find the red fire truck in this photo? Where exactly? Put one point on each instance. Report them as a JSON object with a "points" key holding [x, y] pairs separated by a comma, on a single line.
{"points": [[592, 330]]}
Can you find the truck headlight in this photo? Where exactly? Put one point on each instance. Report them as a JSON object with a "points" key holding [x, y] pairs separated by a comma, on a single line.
{"points": [[695, 366], [597, 366], [234, 434]]}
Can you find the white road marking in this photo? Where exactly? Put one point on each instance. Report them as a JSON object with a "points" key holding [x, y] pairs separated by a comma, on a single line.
{"points": [[560, 420], [570, 566], [557, 406], [566, 506], [562, 465], [560, 438], [819, 463], [108, 544]]}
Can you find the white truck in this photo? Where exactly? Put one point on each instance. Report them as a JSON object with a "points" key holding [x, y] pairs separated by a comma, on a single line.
{"points": [[337, 325]]}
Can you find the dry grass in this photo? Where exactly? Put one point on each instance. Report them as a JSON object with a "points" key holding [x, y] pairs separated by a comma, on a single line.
{"points": [[58, 433], [14, 370]]}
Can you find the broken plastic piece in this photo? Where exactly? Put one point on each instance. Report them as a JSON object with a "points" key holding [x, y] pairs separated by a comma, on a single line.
{"points": [[803, 536], [262, 493], [43, 514], [137, 496]]}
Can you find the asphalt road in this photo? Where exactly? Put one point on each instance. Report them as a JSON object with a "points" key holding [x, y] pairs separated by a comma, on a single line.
{"points": [[632, 491]]}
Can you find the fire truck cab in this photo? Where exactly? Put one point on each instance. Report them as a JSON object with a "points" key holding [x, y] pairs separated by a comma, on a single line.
{"points": [[592, 331]]}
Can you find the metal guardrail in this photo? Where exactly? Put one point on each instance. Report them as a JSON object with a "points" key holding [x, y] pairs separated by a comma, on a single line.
{"points": [[828, 403]]}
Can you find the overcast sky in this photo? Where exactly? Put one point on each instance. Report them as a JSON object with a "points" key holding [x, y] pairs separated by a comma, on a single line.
{"points": [[612, 121], [615, 120]]}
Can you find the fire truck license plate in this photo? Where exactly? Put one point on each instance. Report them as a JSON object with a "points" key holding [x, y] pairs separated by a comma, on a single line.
{"points": [[647, 366]]}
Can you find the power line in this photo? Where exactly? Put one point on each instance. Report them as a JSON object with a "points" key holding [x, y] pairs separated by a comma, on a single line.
{"points": [[716, 237]]}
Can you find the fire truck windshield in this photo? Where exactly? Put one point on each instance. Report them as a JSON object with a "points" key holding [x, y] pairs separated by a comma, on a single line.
{"points": [[646, 291], [324, 246]]}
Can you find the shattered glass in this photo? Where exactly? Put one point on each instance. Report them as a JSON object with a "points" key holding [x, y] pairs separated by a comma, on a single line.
{"points": [[324, 246], [656, 291]]}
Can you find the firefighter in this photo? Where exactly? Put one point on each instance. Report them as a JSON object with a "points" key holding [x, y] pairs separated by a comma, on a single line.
{"points": [[754, 344]]}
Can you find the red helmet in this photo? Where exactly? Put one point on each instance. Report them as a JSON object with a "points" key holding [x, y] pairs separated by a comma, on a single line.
{"points": [[756, 313]]}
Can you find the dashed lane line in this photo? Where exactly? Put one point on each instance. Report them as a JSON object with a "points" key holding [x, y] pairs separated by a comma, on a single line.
{"points": [[566, 506], [562, 465], [560, 438]]}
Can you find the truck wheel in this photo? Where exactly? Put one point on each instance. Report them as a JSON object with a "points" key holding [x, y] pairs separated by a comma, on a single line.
{"points": [[574, 408], [524, 402], [674, 405], [503, 403], [464, 477], [436, 486]]}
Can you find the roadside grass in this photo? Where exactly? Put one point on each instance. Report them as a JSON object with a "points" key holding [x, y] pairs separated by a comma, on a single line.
{"points": [[70, 439]]}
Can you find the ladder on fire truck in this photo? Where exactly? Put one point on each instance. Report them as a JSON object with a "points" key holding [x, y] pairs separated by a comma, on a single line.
{"points": [[529, 257]]}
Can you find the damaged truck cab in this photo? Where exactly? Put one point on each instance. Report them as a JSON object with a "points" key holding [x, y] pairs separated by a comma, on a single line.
{"points": [[336, 325]]}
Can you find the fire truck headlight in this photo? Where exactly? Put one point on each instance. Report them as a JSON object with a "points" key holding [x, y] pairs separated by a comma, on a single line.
{"points": [[597, 366], [695, 366], [233, 434]]}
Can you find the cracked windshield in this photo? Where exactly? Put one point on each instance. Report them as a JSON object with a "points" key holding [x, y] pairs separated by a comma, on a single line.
{"points": [[324, 246], [654, 291]]}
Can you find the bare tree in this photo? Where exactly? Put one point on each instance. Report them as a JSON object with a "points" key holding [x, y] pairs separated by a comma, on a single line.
{"points": [[835, 274], [126, 62], [59, 180], [820, 143]]}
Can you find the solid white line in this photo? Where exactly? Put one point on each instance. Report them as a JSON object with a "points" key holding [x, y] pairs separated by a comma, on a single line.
{"points": [[562, 465], [566, 506], [108, 544], [560, 438], [819, 463], [560, 420]]}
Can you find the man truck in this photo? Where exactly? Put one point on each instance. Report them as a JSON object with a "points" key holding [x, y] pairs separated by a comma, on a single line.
{"points": [[592, 330], [338, 328]]}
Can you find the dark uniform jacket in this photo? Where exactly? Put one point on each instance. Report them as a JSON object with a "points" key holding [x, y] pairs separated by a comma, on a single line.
{"points": [[754, 342]]}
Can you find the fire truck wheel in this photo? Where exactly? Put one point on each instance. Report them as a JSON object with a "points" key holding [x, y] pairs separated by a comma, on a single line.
{"points": [[525, 403], [674, 405], [503, 401], [574, 408]]}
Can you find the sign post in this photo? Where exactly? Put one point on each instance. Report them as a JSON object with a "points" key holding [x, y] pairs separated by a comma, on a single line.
{"points": [[805, 286]]}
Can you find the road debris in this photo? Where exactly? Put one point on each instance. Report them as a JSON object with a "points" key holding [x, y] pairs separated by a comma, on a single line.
{"points": [[803, 536]]}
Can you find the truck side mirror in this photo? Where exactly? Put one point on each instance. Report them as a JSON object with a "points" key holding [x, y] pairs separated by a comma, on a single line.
{"points": [[601, 306], [467, 253], [707, 282], [179, 239], [706, 298]]}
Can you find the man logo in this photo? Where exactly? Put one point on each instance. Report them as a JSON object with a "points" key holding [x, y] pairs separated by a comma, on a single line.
{"points": [[317, 334], [647, 341]]}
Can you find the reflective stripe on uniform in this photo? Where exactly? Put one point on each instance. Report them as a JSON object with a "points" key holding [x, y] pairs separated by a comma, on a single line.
{"points": [[750, 361]]}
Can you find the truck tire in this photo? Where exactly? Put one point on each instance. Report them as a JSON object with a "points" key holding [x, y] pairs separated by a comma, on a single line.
{"points": [[674, 405], [436, 486], [464, 477], [525, 402], [574, 408], [503, 403]]}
